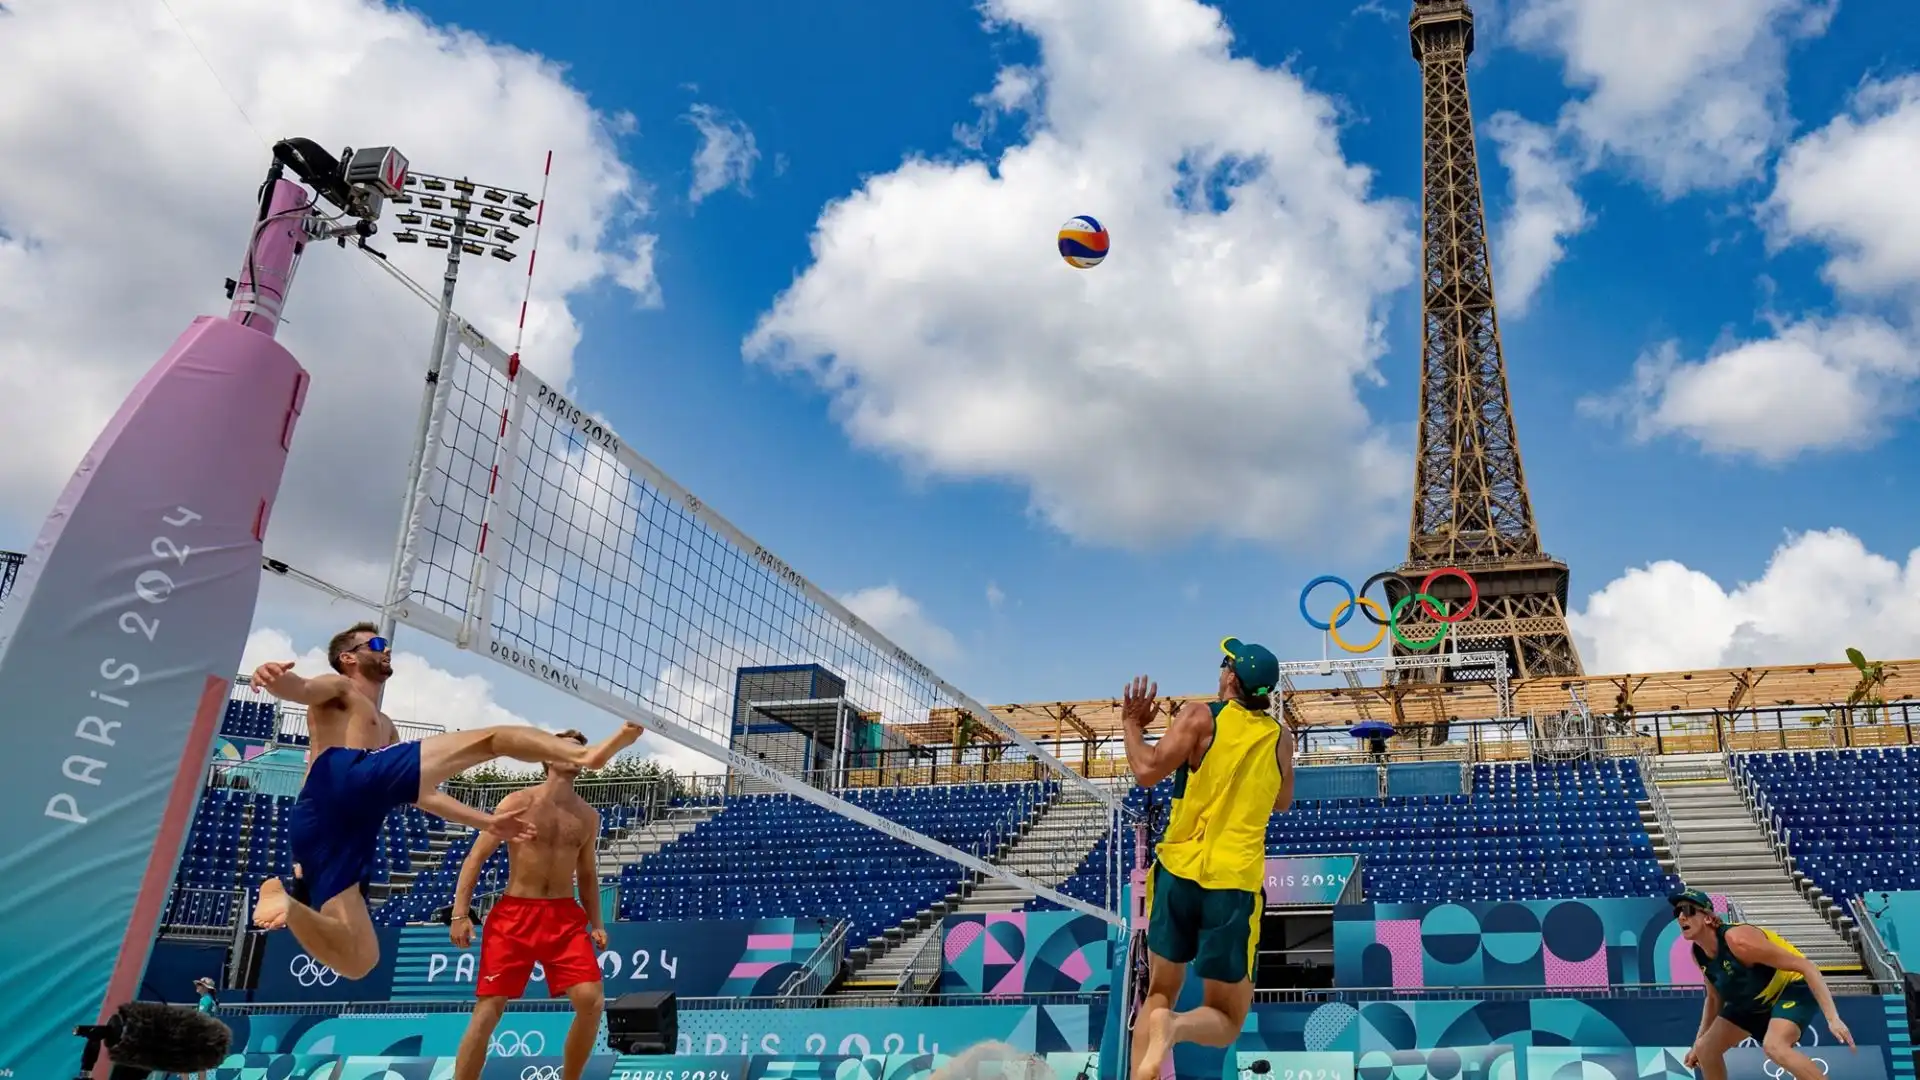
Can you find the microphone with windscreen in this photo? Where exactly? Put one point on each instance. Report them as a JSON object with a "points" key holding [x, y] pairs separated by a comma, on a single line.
{"points": [[146, 1037]]}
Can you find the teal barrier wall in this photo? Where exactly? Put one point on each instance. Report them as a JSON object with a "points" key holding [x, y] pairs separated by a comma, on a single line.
{"points": [[1896, 915]]}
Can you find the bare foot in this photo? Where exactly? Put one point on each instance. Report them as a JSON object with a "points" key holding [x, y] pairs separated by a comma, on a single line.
{"points": [[270, 911], [602, 753], [1159, 1041]]}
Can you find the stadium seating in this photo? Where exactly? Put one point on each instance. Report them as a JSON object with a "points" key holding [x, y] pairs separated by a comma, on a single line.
{"points": [[1851, 818], [1524, 832], [239, 838], [250, 720], [774, 855], [435, 887]]}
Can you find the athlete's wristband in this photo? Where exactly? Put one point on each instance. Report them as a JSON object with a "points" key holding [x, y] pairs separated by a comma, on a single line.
{"points": [[469, 918]]}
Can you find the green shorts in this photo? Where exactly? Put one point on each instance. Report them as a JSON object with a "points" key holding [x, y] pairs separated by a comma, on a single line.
{"points": [[1215, 930], [1795, 1005]]}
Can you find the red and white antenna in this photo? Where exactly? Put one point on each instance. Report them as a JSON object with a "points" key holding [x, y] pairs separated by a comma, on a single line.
{"points": [[533, 257]]}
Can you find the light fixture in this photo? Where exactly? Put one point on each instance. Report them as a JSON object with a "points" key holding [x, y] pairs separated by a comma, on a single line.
{"points": [[432, 203], [434, 183], [521, 220], [506, 236], [407, 236], [437, 242], [403, 198], [464, 187], [503, 254], [523, 202], [462, 204], [410, 218], [494, 195], [491, 214], [441, 223], [475, 230]]}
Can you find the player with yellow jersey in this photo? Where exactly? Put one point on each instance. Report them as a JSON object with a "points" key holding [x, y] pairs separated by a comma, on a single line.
{"points": [[1758, 985], [1232, 764]]}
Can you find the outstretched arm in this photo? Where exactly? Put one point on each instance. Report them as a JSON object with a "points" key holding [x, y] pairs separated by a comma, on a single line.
{"points": [[447, 808], [278, 679], [1152, 763], [1285, 752]]}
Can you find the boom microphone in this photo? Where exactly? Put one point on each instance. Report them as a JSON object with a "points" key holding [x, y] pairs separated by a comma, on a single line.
{"points": [[147, 1036]]}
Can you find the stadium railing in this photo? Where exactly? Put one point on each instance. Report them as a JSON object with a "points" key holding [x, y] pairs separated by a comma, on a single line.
{"points": [[820, 969]]}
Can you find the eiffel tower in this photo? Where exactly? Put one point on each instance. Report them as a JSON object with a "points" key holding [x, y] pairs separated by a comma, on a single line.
{"points": [[1470, 503]]}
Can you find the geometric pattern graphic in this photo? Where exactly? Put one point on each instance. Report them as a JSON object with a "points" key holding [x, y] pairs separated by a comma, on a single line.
{"points": [[717, 1033], [1025, 952], [737, 958], [609, 1067], [1613, 941], [1589, 1038]]}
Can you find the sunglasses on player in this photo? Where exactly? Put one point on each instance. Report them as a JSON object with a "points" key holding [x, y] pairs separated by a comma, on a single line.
{"points": [[1681, 911], [372, 644]]}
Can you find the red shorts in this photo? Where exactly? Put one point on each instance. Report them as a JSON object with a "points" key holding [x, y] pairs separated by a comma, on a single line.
{"points": [[522, 931]]}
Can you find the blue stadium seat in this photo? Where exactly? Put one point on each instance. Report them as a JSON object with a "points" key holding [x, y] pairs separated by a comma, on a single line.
{"points": [[1525, 831], [1851, 818]]}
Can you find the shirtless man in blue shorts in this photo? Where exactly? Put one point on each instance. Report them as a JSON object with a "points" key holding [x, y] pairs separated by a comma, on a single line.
{"points": [[359, 771]]}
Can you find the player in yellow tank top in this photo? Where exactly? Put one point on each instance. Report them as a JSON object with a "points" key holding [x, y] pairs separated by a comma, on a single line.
{"points": [[1757, 985], [1232, 764]]}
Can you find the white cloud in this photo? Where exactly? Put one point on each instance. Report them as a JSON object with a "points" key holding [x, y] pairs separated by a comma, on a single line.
{"points": [[1849, 186], [1821, 593], [726, 155], [1189, 385], [1543, 209], [110, 106], [1687, 95], [419, 692], [900, 618], [996, 597], [1814, 385]]}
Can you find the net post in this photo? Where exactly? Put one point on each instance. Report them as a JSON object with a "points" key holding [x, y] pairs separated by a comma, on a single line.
{"points": [[433, 410]]}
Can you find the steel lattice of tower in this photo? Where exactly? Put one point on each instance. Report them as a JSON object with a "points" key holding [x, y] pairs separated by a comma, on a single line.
{"points": [[1470, 503], [9, 569]]}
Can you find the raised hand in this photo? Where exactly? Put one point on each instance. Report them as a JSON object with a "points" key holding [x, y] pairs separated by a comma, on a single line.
{"points": [[272, 674], [1138, 703], [511, 825]]}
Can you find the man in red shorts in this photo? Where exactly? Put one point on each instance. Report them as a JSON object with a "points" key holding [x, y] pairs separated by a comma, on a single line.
{"points": [[538, 920]]}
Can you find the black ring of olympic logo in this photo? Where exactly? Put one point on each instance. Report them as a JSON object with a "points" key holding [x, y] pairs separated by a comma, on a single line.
{"points": [[1384, 575]]}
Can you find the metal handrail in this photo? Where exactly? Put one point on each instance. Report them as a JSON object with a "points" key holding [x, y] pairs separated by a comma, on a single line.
{"points": [[1881, 961], [810, 981], [1662, 812], [909, 983]]}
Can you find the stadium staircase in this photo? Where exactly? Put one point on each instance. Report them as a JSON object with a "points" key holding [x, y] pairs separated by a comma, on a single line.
{"points": [[1050, 848], [1718, 846], [631, 845]]}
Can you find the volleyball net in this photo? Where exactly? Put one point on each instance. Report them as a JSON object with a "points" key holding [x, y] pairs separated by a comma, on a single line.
{"points": [[538, 537]]}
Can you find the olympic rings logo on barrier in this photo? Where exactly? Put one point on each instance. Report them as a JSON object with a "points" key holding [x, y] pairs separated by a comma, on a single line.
{"points": [[307, 972], [540, 1072], [1388, 621], [515, 1044]]}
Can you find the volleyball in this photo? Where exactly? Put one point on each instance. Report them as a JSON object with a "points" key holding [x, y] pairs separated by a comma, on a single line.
{"points": [[1083, 242]]}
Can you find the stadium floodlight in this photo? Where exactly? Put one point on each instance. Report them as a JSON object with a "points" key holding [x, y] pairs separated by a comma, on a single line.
{"points": [[521, 220], [457, 233], [406, 236], [523, 202]]}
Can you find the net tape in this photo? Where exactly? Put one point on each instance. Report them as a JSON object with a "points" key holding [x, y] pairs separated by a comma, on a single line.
{"points": [[541, 539]]}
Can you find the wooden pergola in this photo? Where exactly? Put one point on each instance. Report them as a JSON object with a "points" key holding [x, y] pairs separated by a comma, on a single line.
{"points": [[1722, 689]]}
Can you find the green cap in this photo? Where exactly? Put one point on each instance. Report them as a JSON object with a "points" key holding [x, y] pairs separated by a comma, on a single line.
{"points": [[1695, 897], [1254, 665]]}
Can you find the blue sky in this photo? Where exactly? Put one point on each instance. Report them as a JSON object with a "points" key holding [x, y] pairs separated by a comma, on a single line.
{"points": [[1057, 579]]}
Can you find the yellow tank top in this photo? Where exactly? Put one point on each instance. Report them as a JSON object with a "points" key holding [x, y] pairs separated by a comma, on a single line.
{"points": [[1217, 831]]}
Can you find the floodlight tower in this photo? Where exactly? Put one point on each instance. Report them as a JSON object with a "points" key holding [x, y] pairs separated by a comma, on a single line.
{"points": [[426, 203]]}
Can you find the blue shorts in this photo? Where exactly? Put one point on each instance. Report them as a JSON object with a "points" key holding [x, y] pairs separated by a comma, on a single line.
{"points": [[334, 829]]}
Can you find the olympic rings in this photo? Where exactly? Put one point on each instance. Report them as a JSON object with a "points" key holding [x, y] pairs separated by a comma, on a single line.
{"points": [[1378, 636], [1426, 602], [1473, 592], [1388, 621], [516, 1044], [1326, 579], [540, 1072], [309, 972]]}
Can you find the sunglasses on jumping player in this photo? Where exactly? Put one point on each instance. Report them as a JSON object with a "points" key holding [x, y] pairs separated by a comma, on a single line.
{"points": [[372, 644], [1681, 911]]}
